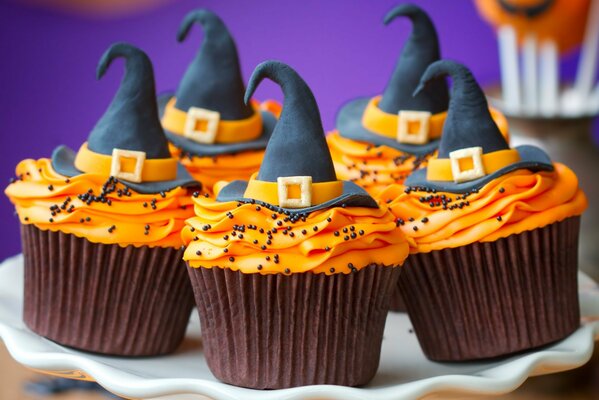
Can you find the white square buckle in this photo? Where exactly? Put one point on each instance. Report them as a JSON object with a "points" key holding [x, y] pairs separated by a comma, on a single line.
{"points": [[464, 175], [413, 126], [201, 134], [305, 187], [116, 167]]}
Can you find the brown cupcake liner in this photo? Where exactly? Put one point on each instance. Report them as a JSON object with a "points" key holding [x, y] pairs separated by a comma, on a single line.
{"points": [[281, 331], [492, 299], [104, 298], [397, 304]]}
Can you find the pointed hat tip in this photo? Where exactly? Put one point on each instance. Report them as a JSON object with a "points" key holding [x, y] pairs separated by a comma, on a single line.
{"points": [[262, 70], [116, 50], [402, 10], [201, 16], [439, 69]]}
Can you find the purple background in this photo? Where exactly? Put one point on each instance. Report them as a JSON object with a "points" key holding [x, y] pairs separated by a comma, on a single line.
{"points": [[47, 72]]}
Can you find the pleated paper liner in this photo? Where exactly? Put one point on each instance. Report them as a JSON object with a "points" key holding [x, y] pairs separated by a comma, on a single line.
{"points": [[492, 299], [397, 304], [107, 299], [280, 331]]}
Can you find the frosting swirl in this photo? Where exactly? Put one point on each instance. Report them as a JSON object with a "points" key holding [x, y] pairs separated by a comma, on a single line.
{"points": [[516, 202], [253, 239], [372, 167], [224, 167], [51, 201]]}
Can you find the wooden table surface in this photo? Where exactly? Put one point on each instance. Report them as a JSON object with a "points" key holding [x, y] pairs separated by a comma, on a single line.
{"points": [[580, 384]]}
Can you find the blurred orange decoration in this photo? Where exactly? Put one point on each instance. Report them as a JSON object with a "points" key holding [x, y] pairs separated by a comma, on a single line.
{"points": [[97, 8], [563, 21]]}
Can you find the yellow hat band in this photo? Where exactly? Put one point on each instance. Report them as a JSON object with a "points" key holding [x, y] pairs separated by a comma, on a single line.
{"points": [[469, 163], [128, 165], [293, 191], [205, 126], [410, 127]]}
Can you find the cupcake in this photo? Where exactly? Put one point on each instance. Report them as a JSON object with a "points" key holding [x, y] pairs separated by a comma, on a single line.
{"points": [[214, 133], [292, 270], [380, 140], [101, 229], [494, 236]]}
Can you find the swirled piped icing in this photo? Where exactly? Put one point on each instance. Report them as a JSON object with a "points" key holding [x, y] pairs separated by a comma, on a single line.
{"points": [[372, 167], [253, 239], [101, 211], [514, 203], [224, 167]]}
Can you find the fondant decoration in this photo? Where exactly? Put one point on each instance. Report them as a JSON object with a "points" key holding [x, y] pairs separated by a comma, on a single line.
{"points": [[397, 118], [297, 148], [472, 151], [128, 141], [207, 115]]}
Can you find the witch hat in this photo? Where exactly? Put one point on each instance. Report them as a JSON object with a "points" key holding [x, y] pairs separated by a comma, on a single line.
{"points": [[207, 115], [472, 151], [128, 136], [387, 120], [297, 172]]}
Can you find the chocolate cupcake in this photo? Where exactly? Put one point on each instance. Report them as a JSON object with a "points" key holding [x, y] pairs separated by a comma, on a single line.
{"points": [[101, 229], [380, 140], [293, 269], [216, 135], [494, 234]]}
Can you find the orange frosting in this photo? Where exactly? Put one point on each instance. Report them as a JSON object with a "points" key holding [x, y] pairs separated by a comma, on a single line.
{"points": [[225, 167], [228, 235], [514, 203], [372, 167], [50, 201]]}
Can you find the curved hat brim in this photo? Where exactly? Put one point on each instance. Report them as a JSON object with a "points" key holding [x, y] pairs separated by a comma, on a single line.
{"points": [[207, 150], [531, 158], [349, 125], [63, 162], [353, 196]]}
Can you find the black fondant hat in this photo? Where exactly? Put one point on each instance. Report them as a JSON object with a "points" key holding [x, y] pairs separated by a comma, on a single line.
{"points": [[213, 82], [470, 132], [297, 147], [420, 50], [130, 124]]}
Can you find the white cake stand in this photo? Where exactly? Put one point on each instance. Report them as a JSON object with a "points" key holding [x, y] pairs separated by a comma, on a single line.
{"points": [[404, 372]]}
